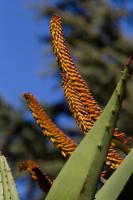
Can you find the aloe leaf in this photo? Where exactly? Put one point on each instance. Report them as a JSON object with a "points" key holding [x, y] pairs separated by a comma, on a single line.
{"points": [[7, 185], [115, 184], [78, 178]]}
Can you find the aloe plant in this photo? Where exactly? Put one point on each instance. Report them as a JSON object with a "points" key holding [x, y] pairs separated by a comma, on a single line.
{"points": [[7, 184], [79, 177]]}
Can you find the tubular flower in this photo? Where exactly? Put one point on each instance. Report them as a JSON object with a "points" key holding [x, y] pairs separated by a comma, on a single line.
{"points": [[77, 108], [113, 158], [49, 129], [121, 136], [42, 179]]}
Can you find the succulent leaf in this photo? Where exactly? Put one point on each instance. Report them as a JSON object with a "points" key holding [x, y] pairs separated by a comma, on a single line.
{"points": [[7, 184], [116, 183]]}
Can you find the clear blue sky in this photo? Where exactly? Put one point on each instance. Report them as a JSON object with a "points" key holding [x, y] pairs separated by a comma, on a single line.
{"points": [[21, 55]]}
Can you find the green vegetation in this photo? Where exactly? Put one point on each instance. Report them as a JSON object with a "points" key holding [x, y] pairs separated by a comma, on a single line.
{"points": [[7, 185]]}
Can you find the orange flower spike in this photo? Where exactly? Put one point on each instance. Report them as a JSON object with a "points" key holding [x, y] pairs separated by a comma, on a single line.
{"points": [[77, 108], [122, 136], [42, 179], [49, 129], [113, 159], [69, 68]]}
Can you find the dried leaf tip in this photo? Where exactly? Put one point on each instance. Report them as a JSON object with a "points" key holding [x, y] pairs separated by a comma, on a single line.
{"points": [[129, 61], [42, 179]]}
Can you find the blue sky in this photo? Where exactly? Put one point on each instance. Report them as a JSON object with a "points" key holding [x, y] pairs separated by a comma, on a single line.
{"points": [[21, 55]]}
